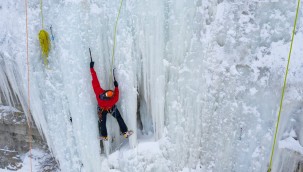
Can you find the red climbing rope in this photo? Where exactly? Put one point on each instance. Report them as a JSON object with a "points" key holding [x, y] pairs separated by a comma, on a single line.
{"points": [[28, 90]]}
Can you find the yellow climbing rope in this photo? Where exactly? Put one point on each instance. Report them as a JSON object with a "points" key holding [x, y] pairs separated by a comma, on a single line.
{"points": [[41, 10], [283, 89], [114, 45], [44, 39]]}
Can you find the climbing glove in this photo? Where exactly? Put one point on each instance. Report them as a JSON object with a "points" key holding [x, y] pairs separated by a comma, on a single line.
{"points": [[115, 83], [92, 64]]}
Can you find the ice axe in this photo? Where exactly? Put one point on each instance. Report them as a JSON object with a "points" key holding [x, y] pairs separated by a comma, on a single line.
{"points": [[114, 74], [90, 54]]}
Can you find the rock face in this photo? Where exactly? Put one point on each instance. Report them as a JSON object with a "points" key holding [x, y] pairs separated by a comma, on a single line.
{"points": [[290, 160], [15, 138], [15, 132], [300, 167]]}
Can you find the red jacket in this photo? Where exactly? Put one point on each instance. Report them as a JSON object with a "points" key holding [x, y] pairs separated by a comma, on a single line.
{"points": [[104, 104]]}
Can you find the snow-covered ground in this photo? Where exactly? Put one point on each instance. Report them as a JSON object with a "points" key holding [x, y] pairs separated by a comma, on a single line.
{"points": [[200, 81]]}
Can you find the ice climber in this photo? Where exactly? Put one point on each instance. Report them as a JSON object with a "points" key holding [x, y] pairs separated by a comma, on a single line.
{"points": [[107, 100]]}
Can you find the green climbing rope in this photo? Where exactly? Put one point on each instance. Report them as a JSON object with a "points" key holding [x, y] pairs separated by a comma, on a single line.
{"points": [[114, 45], [41, 9], [283, 90], [44, 39]]}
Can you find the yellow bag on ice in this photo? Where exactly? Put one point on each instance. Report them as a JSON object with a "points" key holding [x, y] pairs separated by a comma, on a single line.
{"points": [[45, 44]]}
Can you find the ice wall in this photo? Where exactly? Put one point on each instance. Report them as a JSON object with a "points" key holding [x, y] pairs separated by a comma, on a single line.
{"points": [[204, 77]]}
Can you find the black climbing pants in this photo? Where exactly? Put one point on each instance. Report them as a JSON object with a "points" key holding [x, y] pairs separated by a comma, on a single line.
{"points": [[102, 122]]}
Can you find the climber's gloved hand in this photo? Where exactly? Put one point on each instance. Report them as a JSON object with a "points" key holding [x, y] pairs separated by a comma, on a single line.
{"points": [[115, 83], [92, 64]]}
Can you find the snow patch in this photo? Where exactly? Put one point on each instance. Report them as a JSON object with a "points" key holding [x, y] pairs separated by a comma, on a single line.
{"points": [[292, 144]]}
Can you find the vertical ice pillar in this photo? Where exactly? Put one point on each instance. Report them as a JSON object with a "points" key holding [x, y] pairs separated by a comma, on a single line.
{"points": [[151, 43], [126, 72]]}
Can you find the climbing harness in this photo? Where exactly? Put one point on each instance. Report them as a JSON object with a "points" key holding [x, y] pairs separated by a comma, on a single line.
{"points": [[44, 39], [28, 90], [114, 45], [283, 90]]}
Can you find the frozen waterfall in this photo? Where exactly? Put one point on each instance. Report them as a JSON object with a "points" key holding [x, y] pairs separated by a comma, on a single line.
{"points": [[200, 82]]}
